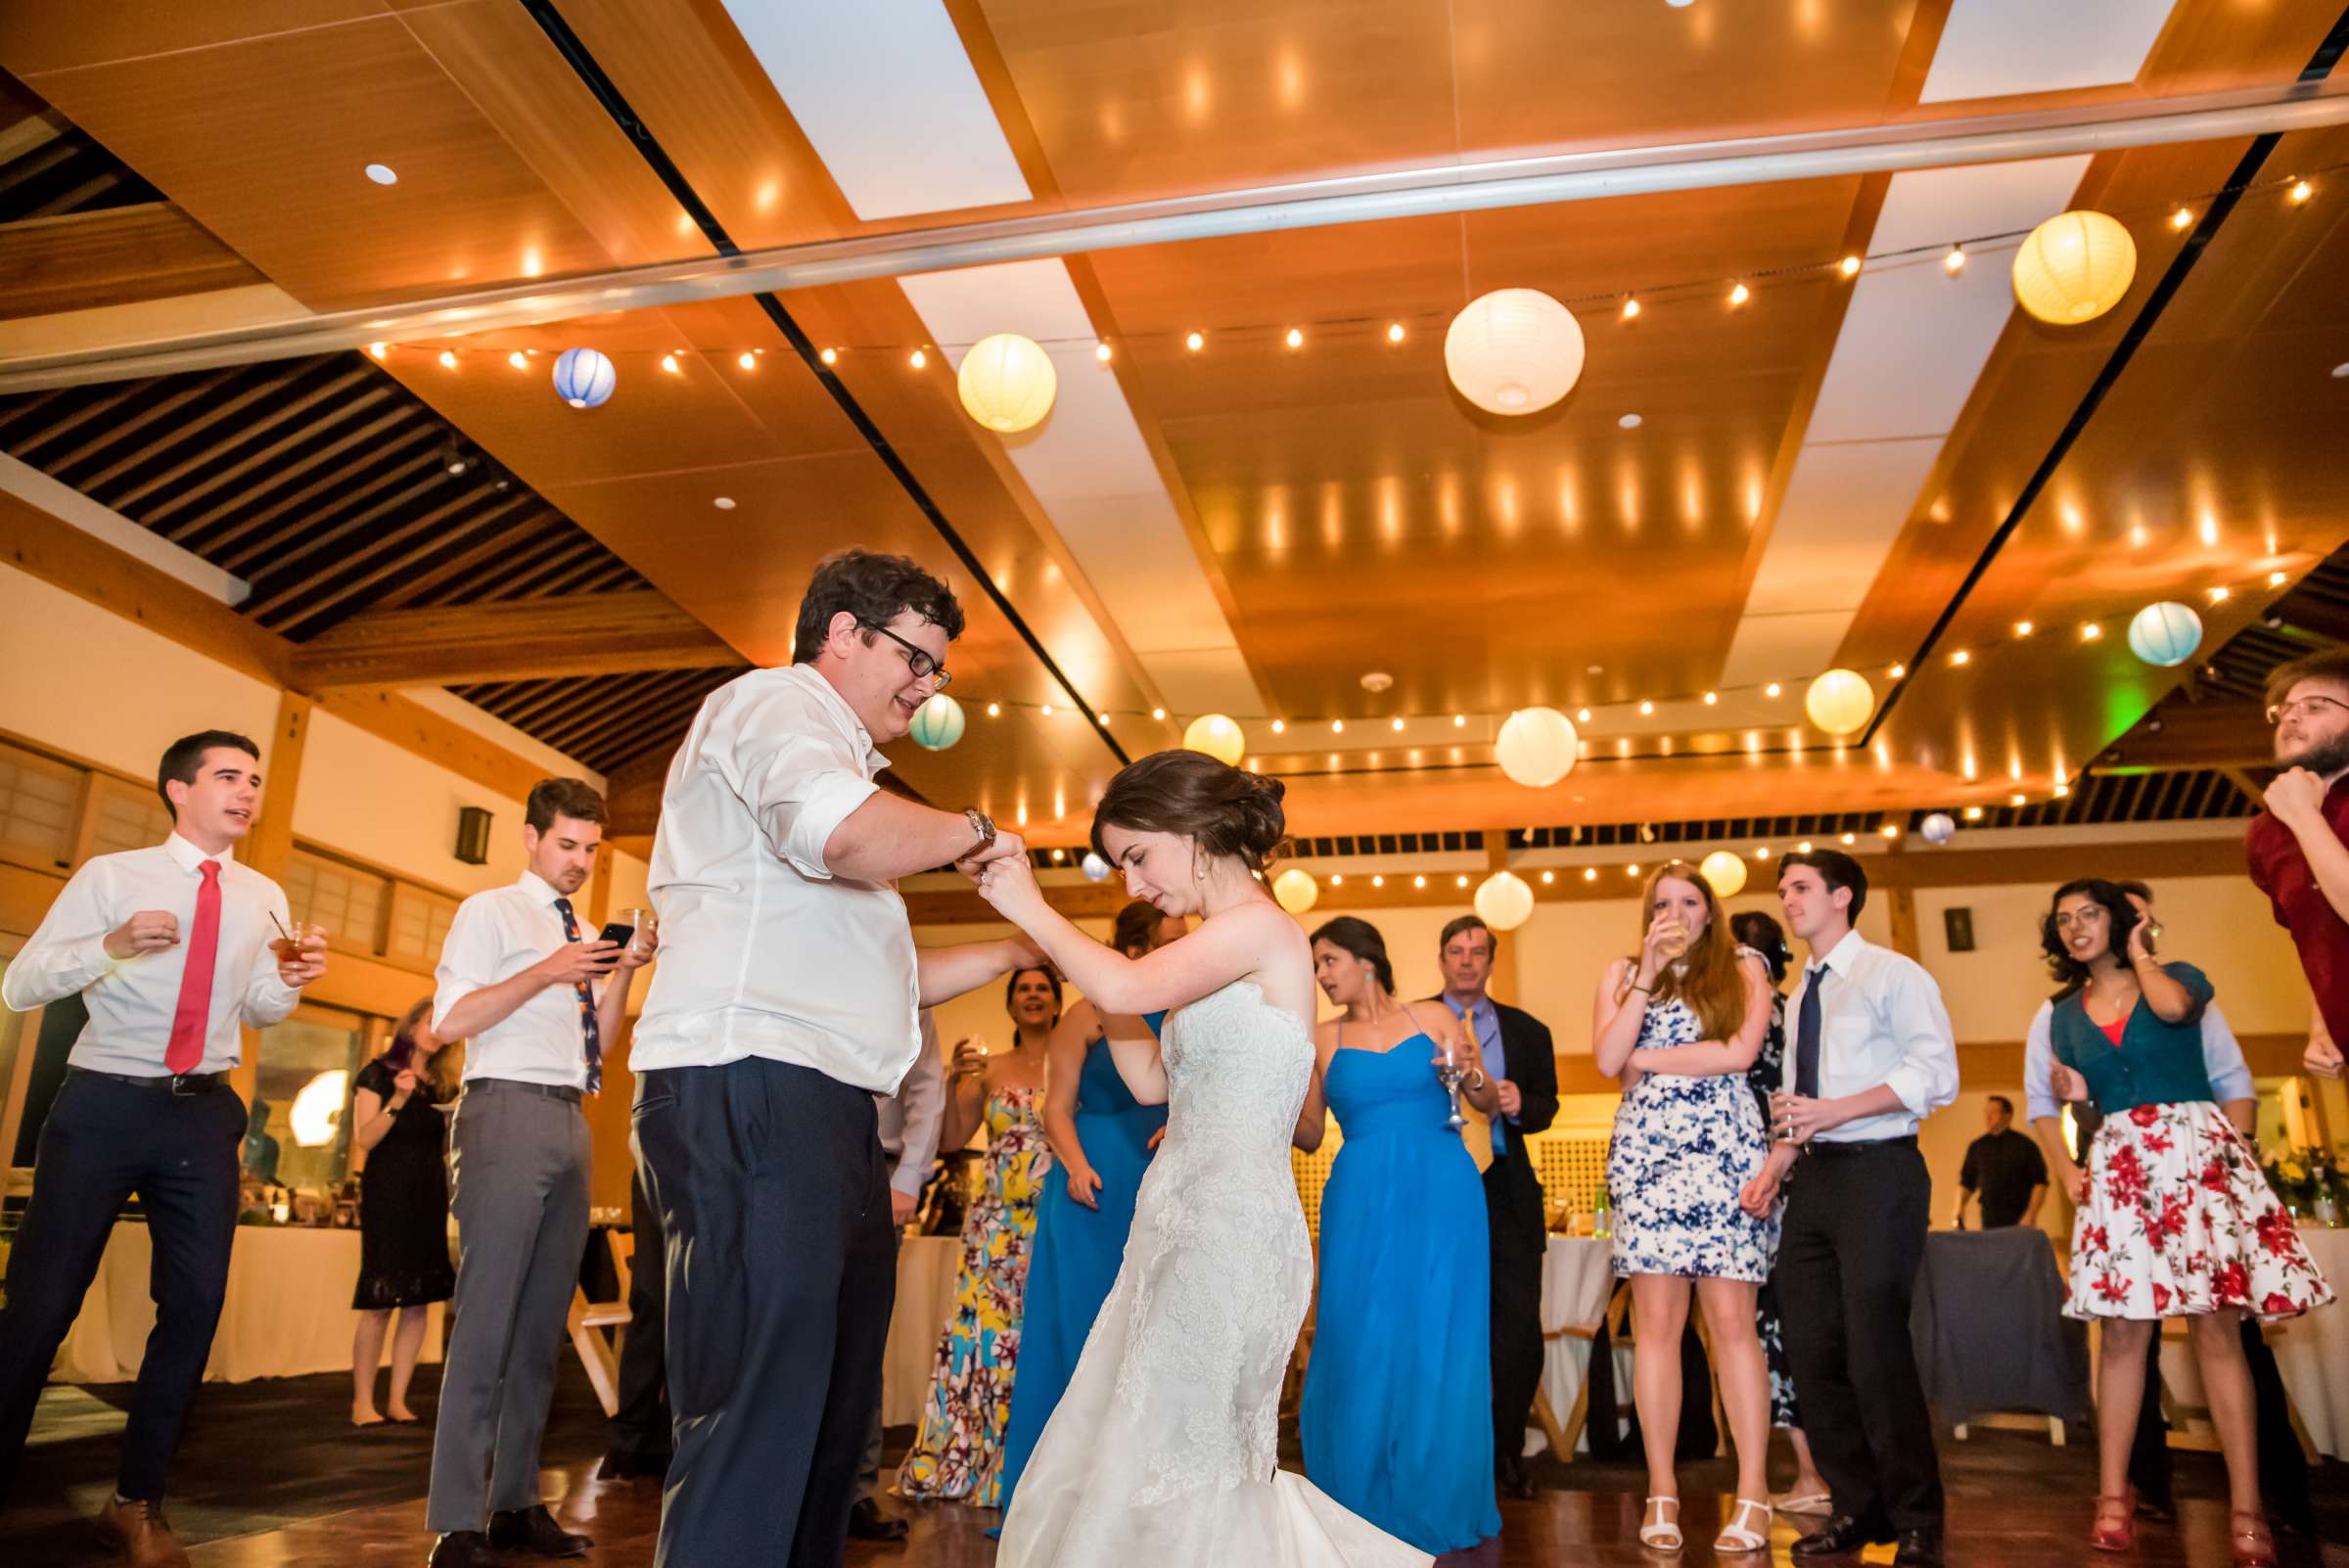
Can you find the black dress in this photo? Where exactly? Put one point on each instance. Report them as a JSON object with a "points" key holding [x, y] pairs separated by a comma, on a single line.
{"points": [[404, 1204]]}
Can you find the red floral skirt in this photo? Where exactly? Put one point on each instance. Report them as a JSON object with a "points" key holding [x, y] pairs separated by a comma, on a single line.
{"points": [[2178, 1222]]}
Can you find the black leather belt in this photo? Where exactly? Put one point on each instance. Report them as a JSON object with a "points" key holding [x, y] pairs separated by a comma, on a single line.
{"points": [[181, 1084], [553, 1092], [1825, 1146]]}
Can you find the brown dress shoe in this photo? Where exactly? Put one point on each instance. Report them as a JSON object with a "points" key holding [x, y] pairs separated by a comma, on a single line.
{"points": [[136, 1525]]}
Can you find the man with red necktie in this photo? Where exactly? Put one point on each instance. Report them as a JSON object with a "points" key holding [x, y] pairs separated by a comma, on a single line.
{"points": [[171, 950]]}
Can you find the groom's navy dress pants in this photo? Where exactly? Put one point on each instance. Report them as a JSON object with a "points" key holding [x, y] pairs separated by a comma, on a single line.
{"points": [[773, 1197]]}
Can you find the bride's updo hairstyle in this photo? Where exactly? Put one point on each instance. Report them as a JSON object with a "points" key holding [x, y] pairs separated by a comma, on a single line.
{"points": [[1223, 809]]}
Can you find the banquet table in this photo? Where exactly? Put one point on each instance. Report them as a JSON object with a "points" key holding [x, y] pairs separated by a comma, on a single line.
{"points": [[287, 1311], [1576, 1280], [2312, 1352], [926, 1269]]}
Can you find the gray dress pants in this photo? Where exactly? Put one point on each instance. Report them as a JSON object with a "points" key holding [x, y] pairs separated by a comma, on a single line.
{"points": [[519, 1189]]}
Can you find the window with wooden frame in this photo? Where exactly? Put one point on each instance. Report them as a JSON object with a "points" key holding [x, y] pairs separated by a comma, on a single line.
{"points": [[40, 799], [346, 899]]}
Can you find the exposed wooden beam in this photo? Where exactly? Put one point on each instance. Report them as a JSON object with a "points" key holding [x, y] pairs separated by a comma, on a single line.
{"points": [[80, 261], [633, 797], [58, 553], [520, 639], [2192, 735]]}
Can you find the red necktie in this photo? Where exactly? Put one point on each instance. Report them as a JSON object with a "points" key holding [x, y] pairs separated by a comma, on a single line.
{"points": [[194, 1013]]}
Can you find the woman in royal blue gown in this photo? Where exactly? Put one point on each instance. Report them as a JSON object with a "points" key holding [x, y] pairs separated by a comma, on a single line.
{"points": [[1397, 1416], [1101, 1139]]}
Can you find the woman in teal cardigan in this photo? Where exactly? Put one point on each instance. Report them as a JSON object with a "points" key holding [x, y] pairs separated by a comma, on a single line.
{"points": [[2173, 1217]]}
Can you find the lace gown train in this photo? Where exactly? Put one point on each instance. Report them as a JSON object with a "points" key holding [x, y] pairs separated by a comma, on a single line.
{"points": [[1161, 1449]]}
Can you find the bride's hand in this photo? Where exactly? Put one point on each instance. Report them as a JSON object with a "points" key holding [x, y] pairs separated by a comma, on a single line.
{"points": [[1009, 885]]}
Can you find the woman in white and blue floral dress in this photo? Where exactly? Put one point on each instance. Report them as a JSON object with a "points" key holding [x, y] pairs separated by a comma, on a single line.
{"points": [[1681, 1023]]}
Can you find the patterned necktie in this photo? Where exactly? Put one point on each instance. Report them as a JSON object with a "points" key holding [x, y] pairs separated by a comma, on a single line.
{"points": [[586, 991], [1806, 1034], [191, 1020]]}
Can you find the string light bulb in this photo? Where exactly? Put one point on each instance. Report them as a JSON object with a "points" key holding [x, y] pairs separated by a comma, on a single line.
{"points": [[2301, 192], [1740, 295], [919, 361], [2218, 596], [1397, 726], [668, 362], [1712, 698], [746, 360], [1647, 708], [1631, 308], [2277, 579], [2025, 629], [1196, 342], [379, 350], [1278, 726], [1897, 670], [1590, 873], [995, 709], [830, 356], [1395, 332], [2091, 632], [1337, 726], [2181, 218], [1773, 689], [1296, 338], [449, 359], [1850, 267], [1954, 261], [1158, 713], [1961, 657], [1582, 716], [1101, 352]]}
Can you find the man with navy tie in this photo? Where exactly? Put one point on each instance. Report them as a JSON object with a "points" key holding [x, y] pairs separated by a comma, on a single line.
{"points": [[519, 983], [1871, 1057], [171, 950]]}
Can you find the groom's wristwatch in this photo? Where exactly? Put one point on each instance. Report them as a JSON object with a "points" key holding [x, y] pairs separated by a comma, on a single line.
{"points": [[982, 826]]}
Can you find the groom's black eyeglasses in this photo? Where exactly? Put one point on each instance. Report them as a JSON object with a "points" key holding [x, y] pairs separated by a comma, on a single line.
{"points": [[917, 660]]}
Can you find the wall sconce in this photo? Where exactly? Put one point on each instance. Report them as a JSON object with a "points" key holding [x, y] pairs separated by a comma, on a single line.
{"points": [[473, 835]]}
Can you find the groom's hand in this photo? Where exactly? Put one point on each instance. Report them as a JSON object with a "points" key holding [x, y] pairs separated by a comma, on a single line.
{"points": [[1005, 847]]}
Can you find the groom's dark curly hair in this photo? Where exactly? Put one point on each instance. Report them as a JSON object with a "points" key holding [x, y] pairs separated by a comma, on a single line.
{"points": [[874, 588]]}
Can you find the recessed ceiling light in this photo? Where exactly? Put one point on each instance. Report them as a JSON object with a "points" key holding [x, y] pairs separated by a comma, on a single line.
{"points": [[725, 503], [1595, 669], [1378, 680], [382, 174], [1629, 422]]}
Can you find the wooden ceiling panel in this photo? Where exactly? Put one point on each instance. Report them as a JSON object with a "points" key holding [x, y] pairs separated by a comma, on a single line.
{"points": [[82, 260], [36, 38], [264, 141]]}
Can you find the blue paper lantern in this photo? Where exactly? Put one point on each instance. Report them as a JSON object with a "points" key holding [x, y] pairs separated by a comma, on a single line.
{"points": [[938, 723], [584, 378], [2165, 634], [1938, 828]]}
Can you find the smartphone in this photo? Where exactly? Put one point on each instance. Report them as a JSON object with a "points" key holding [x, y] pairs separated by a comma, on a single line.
{"points": [[614, 931]]}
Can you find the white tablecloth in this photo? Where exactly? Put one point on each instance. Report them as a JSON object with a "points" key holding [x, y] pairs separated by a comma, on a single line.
{"points": [[1577, 1279], [926, 1269], [287, 1311], [2313, 1352]]}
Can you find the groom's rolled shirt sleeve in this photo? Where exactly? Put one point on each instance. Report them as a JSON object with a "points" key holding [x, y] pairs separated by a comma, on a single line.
{"points": [[802, 780]]}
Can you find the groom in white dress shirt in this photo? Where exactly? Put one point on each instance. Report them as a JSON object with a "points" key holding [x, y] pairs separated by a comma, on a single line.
{"points": [[787, 998]]}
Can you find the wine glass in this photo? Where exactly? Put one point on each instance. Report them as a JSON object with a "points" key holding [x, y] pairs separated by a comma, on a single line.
{"points": [[1673, 940], [1452, 1075]]}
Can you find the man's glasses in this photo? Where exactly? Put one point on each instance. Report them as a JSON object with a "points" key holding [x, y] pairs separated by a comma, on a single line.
{"points": [[2304, 707], [917, 660]]}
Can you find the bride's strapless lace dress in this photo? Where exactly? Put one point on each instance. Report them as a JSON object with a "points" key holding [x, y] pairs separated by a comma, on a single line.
{"points": [[1161, 1449]]}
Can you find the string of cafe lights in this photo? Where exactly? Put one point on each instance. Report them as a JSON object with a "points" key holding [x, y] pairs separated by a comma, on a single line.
{"points": [[1630, 304]]}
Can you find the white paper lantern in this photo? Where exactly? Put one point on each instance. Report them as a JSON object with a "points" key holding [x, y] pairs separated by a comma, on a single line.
{"points": [[1725, 871], [1218, 735], [2165, 634], [584, 378], [1513, 352], [1840, 701], [1007, 383], [1095, 868], [1296, 891], [1939, 828], [1537, 747], [2074, 267], [937, 723], [1504, 901]]}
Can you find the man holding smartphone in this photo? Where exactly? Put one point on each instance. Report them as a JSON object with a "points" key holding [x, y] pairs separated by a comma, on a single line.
{"points": [[517, 981]]}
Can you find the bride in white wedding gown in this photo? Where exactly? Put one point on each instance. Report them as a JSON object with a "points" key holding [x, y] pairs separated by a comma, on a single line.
{"points": [[1161, 1449]]}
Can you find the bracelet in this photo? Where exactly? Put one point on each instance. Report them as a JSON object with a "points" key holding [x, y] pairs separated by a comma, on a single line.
{"points": [[1635, 986], [1480, 1080]]}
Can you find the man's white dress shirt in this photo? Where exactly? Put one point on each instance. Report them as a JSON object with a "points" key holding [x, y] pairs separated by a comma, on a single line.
{"points": [[498, 934], [1880, 1021], [131, 1000], [2221, 1059], [764, 952], [910, 1118]]}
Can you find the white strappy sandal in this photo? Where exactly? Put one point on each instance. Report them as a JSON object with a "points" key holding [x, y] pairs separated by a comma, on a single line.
{"points": [[1660, 1534], [1738, 1536]]}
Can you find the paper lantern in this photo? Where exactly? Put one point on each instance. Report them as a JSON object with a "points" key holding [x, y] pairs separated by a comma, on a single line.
{"points": [[2074, 267], [1095, 868], [1504, 901], [583, 378], [1513, 352], [1840, 701], [1939, 828], [1537, 747], [1296, 891], [1725, 871], [1007, 383], [937, 723], [2165, 634], [1218, 735]]}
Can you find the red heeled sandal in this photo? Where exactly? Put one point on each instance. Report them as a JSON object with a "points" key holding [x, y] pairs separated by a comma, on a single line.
{"points": [[2114, 1528], [2249, 1540]]}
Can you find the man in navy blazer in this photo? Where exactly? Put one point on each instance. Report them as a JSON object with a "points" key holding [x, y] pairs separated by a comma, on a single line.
{"points": [[1517, 1054]]}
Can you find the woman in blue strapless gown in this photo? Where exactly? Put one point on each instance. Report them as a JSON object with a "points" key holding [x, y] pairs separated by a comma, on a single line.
{"points": [[1397, 1416], [1101, 1137]]}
